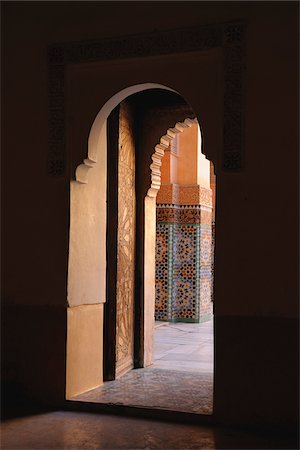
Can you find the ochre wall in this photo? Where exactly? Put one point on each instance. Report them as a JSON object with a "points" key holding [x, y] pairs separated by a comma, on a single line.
{"points": [[183, 163], [256, 272], [187, 146]]}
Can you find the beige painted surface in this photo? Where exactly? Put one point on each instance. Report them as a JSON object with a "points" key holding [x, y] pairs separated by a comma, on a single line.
{"points": [[203, 175], [189, 166], [149, 281], [166, 169], [173, 168], [87, 250], [203, 164], [187, 161], [84, 349]]}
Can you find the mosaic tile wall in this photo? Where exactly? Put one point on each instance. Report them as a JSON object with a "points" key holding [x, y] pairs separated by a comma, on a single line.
{"points": [[183, 263]]}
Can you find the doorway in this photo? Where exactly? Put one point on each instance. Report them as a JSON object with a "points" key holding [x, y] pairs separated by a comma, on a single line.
{"points": [[120, 130]]}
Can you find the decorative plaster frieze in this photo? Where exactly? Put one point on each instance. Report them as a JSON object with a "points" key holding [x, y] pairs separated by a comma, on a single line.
{"points": [[228, 36], [184, 195], [186, 215]]}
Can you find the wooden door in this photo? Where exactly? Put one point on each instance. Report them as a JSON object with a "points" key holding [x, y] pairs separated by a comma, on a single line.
{"points": [[121, 219], [126, 243]]}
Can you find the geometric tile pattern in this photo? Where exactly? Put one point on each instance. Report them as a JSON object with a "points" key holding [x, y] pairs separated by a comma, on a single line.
{"points": [[206, 271], [161, 272], [213, 228], [183, 264]]}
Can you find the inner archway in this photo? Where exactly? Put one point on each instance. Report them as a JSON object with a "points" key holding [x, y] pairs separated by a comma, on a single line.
{"points": [[184, 272], [185, 211], [140, 110]]}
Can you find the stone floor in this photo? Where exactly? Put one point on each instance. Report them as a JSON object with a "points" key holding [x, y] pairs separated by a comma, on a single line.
{"points": [[59, 430], [184, 346], [181, 378]]}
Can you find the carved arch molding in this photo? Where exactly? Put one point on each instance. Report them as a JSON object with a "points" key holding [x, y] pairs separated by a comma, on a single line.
{"points": [[229, 36]]}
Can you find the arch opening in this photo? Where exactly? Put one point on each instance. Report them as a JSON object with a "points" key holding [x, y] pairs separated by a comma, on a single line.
{"points": [[86, 287], [88, 202], [185, 211]]}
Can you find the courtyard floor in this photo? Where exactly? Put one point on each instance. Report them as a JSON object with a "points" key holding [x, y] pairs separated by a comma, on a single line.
{"points": [[186, 347], [181, 378]]}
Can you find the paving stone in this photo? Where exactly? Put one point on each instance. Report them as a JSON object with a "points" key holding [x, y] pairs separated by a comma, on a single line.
{"points": [[181, 378], [157, 388]]}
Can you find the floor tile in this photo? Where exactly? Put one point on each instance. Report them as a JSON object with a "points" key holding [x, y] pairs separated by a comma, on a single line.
{"points": [[180, 379]]}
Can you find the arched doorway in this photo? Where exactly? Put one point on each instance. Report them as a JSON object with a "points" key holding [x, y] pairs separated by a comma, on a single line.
{"points": [[87, 259], [145, 222], [90, 75], [89, 249]]}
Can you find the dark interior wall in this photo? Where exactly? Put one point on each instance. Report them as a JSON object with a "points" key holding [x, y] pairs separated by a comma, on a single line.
{"points": [[271, 120], [256, 256]]}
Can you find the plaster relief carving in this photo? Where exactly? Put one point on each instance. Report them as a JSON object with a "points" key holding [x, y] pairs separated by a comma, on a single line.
{"points": [[230, 36], [234, 109], [184, 195]]}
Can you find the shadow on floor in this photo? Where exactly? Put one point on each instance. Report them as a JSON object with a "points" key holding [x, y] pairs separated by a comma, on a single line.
{"points": [[61, 430]]}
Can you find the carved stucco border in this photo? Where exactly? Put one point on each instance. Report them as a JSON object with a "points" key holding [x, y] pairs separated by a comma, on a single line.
{"points": [[164, 144], [229, 36]]}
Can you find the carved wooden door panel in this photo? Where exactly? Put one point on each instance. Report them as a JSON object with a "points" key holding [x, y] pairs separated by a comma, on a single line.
{"points": [[125, 243]]}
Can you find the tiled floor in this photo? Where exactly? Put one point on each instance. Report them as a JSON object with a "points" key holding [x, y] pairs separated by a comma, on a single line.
{"points": [[181, 378]]}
